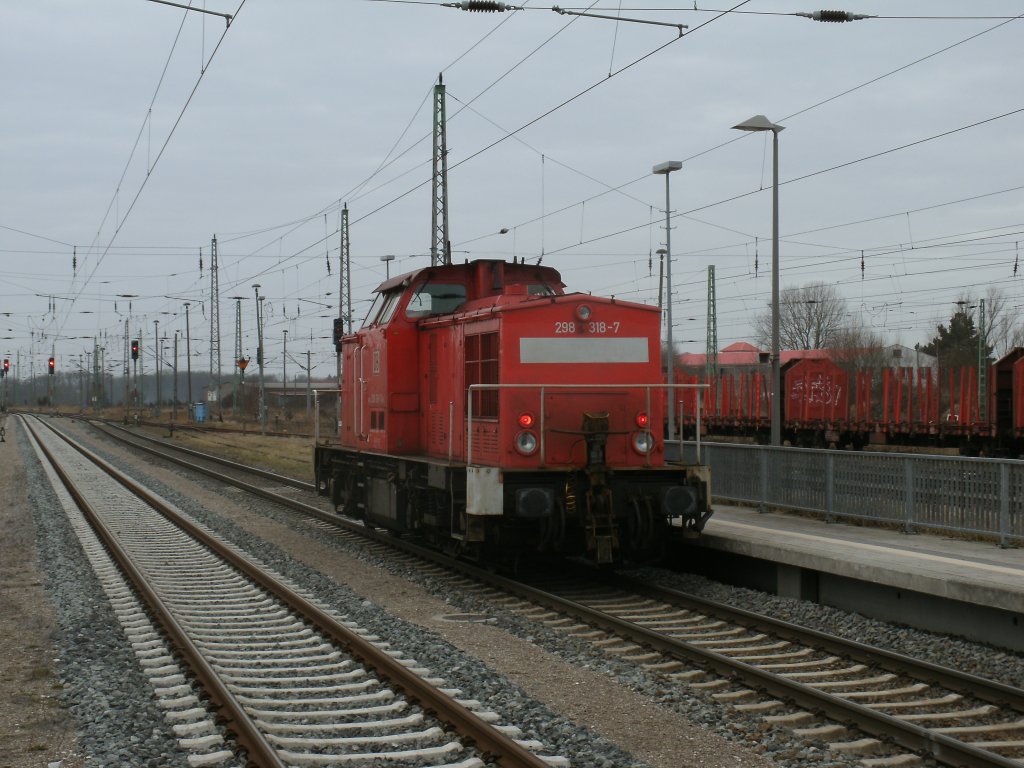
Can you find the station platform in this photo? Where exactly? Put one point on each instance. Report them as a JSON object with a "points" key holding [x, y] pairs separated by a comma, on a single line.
{"points": [[930, 581]]}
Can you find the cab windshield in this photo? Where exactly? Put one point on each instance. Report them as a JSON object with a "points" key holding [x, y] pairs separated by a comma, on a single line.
{"points": [[382, 309]]}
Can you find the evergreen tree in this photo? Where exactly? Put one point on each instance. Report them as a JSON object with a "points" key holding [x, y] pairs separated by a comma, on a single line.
{"points": [[957, 345]]}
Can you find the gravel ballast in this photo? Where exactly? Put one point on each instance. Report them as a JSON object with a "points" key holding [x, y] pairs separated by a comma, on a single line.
{"points": [[104, 689], [535, 677]]}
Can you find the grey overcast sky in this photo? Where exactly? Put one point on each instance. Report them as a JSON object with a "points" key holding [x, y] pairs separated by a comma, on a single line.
{"points": [[132, 132]]}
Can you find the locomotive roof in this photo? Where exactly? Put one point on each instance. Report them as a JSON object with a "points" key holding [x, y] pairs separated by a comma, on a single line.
{"points": [[513, 271]]}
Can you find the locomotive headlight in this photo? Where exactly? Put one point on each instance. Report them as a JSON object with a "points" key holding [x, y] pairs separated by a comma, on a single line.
{"points": [[643, 442], [583, 312], [526, 443]]}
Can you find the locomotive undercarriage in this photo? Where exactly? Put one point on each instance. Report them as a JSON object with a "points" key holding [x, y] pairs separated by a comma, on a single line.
{"points": [[607, 516]]}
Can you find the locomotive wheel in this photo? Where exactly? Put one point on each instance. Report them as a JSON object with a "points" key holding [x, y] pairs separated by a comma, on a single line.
{"points": [[551, 530], [645, 540]]}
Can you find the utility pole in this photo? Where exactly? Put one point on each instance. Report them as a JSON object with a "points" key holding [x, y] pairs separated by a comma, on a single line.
{"points": [[174, 405], [308, 387], [982, 365], [440, 243], [97, 373], [284, 365], [49, 379], [127, 378], [188, 360], [156, 342], [140, 390]]}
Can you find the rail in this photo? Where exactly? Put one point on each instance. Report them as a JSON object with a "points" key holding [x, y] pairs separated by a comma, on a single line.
{"points": [[950, 494], [543, 388]]}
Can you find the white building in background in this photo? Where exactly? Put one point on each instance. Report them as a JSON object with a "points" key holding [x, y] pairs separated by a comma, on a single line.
{"points": [[899, 356]]}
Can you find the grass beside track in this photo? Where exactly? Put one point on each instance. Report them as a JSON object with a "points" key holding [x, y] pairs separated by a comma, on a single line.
{"points": [[291, 456]]}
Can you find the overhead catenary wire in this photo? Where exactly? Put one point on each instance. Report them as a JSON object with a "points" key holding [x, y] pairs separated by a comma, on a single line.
{"points": [[549, 213], [156, 160]]}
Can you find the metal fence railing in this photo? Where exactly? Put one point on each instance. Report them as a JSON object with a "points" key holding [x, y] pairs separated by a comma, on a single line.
{"points": [[982, 497]]}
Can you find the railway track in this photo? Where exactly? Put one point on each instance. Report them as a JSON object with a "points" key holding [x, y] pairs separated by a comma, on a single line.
{"points": [[249, 671], [860, 700]]}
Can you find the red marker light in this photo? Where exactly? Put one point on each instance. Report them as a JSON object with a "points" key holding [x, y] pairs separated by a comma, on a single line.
{"points": [[526, 420], [642, 420]]}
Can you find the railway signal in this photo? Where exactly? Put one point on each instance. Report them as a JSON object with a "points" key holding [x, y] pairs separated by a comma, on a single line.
{"points": [[338, 332], [6, 369], [135, 349], [52, 365]]}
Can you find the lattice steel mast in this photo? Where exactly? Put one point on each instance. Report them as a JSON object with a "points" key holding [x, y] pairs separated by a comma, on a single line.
{"points": [[214, 323], [711, 352], [345, 279], [440, 244], [239, 373]]}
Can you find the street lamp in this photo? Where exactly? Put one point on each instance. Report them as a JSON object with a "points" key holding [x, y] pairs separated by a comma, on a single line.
{"points": [[260, 356], [762, 123], [665, 169], [387, 259]]}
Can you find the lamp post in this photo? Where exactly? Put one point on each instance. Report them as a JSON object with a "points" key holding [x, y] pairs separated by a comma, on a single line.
{"points": [[387, 259], [259, 356], [665, 169], [762, 123]]}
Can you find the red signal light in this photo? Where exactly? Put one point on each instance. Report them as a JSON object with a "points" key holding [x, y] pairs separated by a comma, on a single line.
{"points": [[52, 365], [525, 420], [135, 349], [7, 364], [643, 420]]}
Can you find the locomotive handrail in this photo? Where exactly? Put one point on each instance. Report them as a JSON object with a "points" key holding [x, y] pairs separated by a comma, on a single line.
{"points": [[543, 387], [316, 411]]}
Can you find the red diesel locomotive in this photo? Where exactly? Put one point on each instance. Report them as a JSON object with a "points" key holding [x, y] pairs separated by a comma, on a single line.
{"points": [[489, 412]]}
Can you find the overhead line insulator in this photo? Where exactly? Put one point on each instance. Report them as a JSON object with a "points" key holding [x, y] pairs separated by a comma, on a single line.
{"points": [[482, 6], [834, 16]]}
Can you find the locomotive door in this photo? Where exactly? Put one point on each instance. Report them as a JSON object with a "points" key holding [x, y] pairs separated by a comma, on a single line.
{"points": [[351, 392], [445, 397]]}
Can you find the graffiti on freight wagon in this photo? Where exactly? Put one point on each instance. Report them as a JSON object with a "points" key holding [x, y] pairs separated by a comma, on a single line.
{"points": [[818, 391]]}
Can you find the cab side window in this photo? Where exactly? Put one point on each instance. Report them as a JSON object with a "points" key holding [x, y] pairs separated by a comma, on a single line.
{"points": [[435, 299]]}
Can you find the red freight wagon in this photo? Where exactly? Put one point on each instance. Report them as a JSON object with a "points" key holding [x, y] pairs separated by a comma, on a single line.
{"points": [[486, 409], [817, 393], [1017, 421]]}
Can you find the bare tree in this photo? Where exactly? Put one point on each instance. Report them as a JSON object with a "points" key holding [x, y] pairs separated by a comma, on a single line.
{"points": [[1000, 333], [1017, 336], [859, 347], [810, 317]]}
